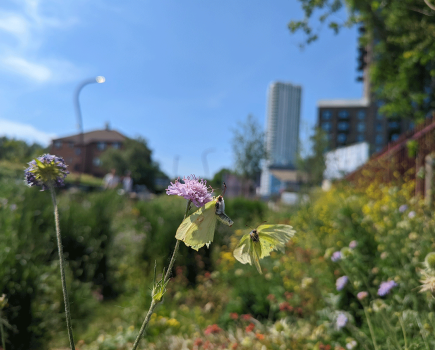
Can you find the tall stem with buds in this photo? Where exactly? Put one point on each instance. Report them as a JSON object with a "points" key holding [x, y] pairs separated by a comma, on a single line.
{"points": [[62, 270], [164, 281]]}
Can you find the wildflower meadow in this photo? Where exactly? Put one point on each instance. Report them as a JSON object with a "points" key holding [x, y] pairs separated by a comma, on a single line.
{"points": [[349, 268]]}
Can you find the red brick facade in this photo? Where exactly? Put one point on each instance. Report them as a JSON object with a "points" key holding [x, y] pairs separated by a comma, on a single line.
{"points": [[78, 155]]}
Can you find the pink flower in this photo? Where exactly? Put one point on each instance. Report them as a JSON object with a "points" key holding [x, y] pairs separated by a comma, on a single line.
{"points": [[362, 295], [192, 189]]}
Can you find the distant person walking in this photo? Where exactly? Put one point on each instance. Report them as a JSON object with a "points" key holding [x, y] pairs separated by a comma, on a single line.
{"points": [[110, 181], [127, 182]]}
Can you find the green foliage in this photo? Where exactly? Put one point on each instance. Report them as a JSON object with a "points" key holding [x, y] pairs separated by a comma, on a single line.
{"points": [[19, 151], [248, 148], [218, 178], [136, 157], [399, 35], [314, 165]]}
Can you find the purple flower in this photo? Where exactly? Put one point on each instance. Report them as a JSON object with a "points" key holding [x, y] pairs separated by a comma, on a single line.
{"points": [[403, 208], [341, 321], [46, 170], [362, 295], [386, 287], [411, 214], [353, 244], [192, 189], [336, 256], [341, 282]]}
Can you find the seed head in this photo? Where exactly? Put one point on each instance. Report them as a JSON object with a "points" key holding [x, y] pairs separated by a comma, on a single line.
{"points": [[45, 171]]}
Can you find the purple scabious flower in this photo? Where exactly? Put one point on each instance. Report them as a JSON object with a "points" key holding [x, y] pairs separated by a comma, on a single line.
{"points": [[341, 282], [362, 295], [46, 170], [403, 208], [336, 256], [353, 244], [386, 287], [192, 189], [411, 214], [341, 321]]}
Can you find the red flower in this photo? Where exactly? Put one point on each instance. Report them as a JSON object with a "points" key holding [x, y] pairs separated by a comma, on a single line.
{"points": [[285, 306], [198, 342], [207, 275], [288, 295], [250, 327], [260, 336], [234, 346], [271, 297], [234, 315], [212, 329], [206, 344], [246, 317]]}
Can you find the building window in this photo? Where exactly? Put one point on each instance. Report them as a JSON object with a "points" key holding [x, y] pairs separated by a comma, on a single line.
{"points": [[77, 151], [341, 138], [96, 161], [343, 126], [361, 114], [101, 146], [379, 139], [360, 138], [343, 114], [378, 127], [394, 137], [116, 145], [326, 115], [71, 144], [361, 127], [57, 144], [379, 116], [394, 125]]}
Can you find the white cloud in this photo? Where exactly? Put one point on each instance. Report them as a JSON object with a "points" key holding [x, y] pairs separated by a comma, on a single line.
{"points": [[24, 132], [28, 24], [23, 67]]}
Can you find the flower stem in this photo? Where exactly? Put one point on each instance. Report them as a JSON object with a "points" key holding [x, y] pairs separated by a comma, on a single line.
{"points": [[167, 276], [2, 334], [371, 329], [62, 270]]}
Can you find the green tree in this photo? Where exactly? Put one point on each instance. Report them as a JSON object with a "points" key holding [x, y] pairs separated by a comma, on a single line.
{"points": [[218, 178], [400, 35], [248, 148], [314, 164], [136, 157], [19, 151]]}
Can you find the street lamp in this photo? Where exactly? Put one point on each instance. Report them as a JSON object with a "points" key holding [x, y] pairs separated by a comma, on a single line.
{"points": [[204, 160], [98, 80]]}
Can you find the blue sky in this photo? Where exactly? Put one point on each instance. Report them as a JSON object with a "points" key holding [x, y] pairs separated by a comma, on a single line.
{"points": [[178, 73]]}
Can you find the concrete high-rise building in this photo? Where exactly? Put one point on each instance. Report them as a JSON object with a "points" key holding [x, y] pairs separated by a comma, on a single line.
{"points": [[282, 133]]}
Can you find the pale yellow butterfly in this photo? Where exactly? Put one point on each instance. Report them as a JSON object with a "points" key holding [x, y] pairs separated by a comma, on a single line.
{"points": [[258, 243]]}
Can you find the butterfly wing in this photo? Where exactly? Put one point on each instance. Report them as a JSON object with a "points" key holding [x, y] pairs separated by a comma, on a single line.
{"points": [[248, 252], [197, 230], [274, 237]]}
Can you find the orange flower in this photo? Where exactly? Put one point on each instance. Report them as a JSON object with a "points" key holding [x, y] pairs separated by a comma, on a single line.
{"points": [[260, 336], [250, 327], [212, 329], [246, 317], [198, 342], [234, 315]]}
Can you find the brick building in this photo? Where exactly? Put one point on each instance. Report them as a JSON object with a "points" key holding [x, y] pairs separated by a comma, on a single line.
{"points": [[348, 122], [85, 157]]}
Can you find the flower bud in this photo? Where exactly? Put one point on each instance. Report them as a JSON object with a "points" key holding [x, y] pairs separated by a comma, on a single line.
{"points": [[429, 261]]}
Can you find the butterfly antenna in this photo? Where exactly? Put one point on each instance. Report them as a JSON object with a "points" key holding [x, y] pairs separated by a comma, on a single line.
{"points": [[260, 224], [249, 227], [225, 188]]}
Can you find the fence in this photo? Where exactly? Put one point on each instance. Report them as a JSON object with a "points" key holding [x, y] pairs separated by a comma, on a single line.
{"points": [[408, 158]]}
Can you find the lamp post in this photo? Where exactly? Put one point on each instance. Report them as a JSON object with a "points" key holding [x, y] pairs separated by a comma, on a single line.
{"points": [[99, 80], [204, 160]]}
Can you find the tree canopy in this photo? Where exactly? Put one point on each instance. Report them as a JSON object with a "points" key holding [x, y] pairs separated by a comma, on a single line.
{"points": [[135, 156], [400, 35], [248, 148]]}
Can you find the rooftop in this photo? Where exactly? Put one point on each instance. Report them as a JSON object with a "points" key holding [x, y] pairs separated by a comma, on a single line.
{"points": [[95, 136], [362, 102]]}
